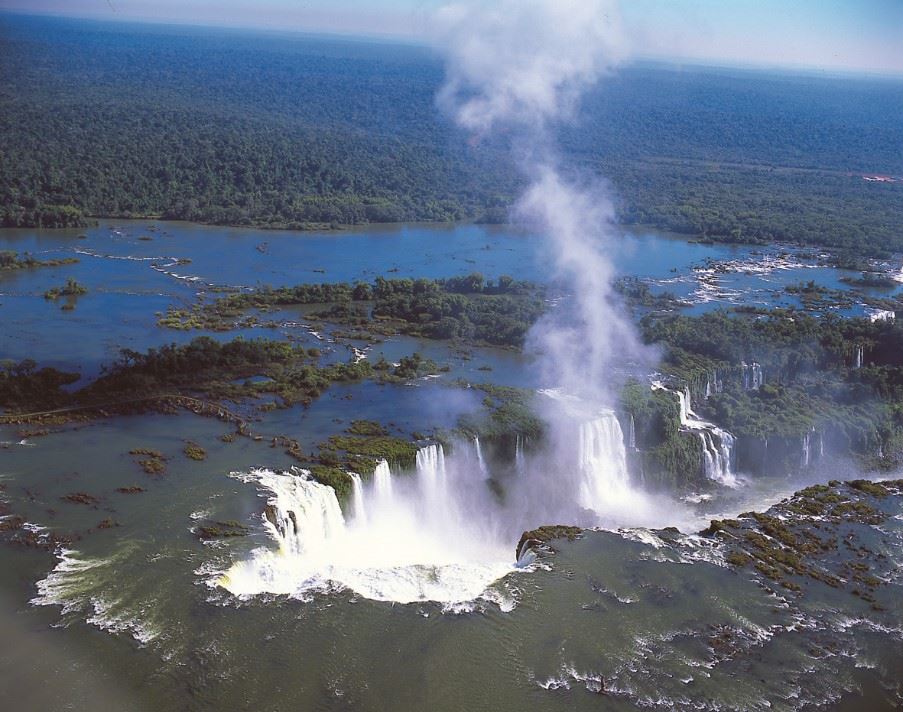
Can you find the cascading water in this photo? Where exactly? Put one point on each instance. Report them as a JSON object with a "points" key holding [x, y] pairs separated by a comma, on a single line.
{"points": [[519, 461], [631, 434], [382, 482], [806, 452], [482, 463], [713, 384], [603, 461], [717, 444], [409, 545], [440, 533], [857, 359], [753, 376], [357, 497]]}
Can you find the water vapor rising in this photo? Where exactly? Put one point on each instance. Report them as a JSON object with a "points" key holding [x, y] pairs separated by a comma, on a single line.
{"points": [[524, 61], [520, 66]]}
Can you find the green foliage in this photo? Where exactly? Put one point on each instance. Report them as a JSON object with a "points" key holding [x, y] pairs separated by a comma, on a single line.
{"points": [[367, 428], [395, 451], [10, 260], [334, 477], [24, 387], [811, 382], [312, 132], [70, 289], [193, 451], [508, 412], [468, 308]]}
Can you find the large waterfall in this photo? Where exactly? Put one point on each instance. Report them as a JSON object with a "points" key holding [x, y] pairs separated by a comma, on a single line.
{"points": [[717, 444], [442, 532], [404, 539]]}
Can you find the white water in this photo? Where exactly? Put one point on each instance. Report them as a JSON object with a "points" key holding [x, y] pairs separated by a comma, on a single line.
{"points": [[713, 384], [857, 362], [881, 315], [519, 461], [753, 376], [357, 497], [717, 444], [439, 533], [407, 547], [483, 469]]}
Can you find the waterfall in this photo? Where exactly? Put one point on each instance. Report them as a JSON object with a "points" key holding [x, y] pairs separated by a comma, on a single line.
{"points": [[713, 384], [631, 434], [302, 514], [439, 532], [717, 444], [753, 376], [806, 457], [602, 460], [684, 398], [407, 539], [431, 474], [482, 463], [357, 498], [382, 482], [857, 363], [821, 445], [519, 463]]}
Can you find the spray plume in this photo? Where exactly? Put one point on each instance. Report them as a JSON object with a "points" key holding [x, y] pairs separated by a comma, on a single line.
{"points": [[517, 66], [520, 66]]}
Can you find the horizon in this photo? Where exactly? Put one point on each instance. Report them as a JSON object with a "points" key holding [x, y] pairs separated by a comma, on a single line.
{"points": [[658, 61], [649, 41]]}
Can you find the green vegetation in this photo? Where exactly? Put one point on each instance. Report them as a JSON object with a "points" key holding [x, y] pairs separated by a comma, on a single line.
{"points": [[367, 428], [668, 458], [24, 387], [796, 543], [468, 308], [508, 413], [193, 451], [811, 381], [308, 132], [70, 289], [10, 260], [154, 462], [202, 367], [362, 453]]}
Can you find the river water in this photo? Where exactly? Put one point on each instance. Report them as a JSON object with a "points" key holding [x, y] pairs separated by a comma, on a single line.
{"points": [[139, 614]]}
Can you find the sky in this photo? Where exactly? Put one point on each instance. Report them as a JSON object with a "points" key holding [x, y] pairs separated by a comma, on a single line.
{"points": [[846, 35]]}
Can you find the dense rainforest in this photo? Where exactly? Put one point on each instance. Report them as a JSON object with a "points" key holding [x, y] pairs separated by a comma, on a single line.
{"points": [[294, 131]]}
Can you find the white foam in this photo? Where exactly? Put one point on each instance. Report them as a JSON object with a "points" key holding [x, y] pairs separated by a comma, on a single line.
{"points": [[410, 547]]}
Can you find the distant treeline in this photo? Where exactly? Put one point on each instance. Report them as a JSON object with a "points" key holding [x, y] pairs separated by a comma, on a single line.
{"points": [[235, 128]]}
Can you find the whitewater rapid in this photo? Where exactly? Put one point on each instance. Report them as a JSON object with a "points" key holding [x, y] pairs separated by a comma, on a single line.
{"points": [[391, 548], [443, 532]]}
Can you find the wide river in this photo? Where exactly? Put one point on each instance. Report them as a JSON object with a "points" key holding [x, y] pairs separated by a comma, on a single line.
{"points": [[136, 615]]}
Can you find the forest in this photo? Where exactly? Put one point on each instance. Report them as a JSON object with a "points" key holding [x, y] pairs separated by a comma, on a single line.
{"points": [[469, 308], [285, 131], [839, 376]]}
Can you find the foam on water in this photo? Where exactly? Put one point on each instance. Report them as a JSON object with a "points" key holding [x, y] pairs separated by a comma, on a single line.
{"points": [[409, 547]]}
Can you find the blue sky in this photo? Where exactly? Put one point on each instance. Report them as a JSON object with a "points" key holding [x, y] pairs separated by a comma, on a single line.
{"points": [[855, 35]]}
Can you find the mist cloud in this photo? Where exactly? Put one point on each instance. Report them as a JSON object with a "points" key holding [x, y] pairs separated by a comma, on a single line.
{"points": [[521, 66], [524, 61]]}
